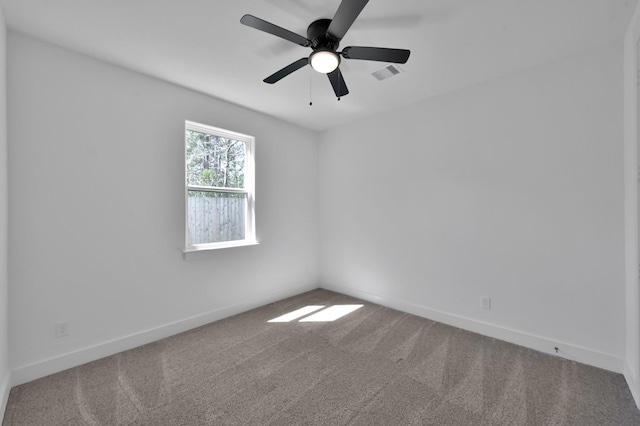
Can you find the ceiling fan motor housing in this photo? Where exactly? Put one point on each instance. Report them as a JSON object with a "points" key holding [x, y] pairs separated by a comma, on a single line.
{"points": [[317, 34]]}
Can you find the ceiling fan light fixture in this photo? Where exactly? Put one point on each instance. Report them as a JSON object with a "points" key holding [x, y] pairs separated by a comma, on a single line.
{"points": [[324, 61]]}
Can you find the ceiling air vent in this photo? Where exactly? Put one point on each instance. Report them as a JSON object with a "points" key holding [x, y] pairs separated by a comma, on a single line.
{"points": [[386, 72]]}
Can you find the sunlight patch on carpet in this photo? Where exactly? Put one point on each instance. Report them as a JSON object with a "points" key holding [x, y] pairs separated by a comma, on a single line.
{"points": [[332, 313], [298, 313]]}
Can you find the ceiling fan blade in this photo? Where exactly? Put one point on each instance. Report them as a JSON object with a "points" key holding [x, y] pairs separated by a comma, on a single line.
{"points": [[268, 27], [337, 82], [347, 12], [279, 75], [382, 54]]}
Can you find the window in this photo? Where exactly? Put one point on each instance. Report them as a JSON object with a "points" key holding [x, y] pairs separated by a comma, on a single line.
{"points": [[219, 188]]}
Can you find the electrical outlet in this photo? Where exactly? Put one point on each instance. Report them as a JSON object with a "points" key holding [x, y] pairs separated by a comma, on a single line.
{"points": [[61, 329], [485, 302]]}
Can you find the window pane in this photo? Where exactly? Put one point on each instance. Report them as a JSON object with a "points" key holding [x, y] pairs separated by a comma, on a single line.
{"points": [[214, 161], [215, 217]]}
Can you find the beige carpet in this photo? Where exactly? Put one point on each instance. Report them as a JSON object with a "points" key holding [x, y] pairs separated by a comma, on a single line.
{"points": [[375, 366]]}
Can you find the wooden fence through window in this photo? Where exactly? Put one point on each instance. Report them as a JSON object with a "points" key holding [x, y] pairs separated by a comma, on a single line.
{"points": [[215, 219]]}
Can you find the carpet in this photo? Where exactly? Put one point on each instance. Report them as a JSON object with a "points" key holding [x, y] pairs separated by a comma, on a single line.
{"points": [[374, 366]]}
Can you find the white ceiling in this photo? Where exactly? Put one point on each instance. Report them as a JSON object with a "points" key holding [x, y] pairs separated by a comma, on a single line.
{"points": [[200, 44]]}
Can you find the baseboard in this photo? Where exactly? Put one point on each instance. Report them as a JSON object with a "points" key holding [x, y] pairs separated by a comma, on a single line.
{"points": [[5, 388], [63, 362], [538, 343], [632, 381]]}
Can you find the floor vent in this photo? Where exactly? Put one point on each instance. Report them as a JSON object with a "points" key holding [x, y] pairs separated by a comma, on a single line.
{"points": [[386, 72]]}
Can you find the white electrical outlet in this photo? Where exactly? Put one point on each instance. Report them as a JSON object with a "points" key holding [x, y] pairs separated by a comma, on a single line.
{"points": [[61, 329], [485, 302]]}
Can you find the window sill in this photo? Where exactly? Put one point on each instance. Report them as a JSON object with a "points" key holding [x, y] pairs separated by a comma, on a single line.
{"points": [[218, 246]]}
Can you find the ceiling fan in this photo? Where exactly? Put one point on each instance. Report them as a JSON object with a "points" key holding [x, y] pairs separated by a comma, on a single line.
{"points": [[323, 37]]}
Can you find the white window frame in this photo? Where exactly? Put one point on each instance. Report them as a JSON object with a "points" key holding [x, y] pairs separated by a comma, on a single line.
{"points": [[248, 190]]}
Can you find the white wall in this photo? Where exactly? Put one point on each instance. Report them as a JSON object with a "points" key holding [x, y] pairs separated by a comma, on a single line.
{"points": [[512, 189], [631, 99], [4, 221], [97, 210]]}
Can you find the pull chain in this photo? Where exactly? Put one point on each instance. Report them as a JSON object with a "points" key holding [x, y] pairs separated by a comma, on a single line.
{"points": [[310, 91]]}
